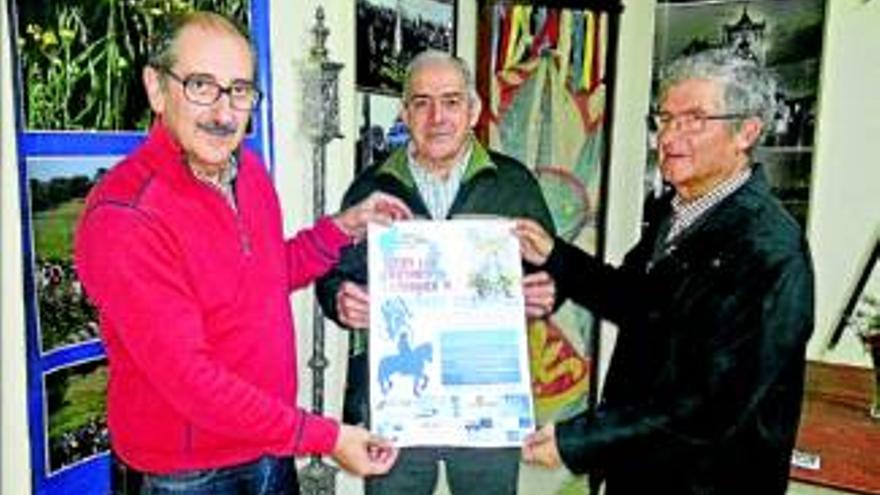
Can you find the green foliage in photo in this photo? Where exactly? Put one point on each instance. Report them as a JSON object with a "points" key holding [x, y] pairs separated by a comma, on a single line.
{"points": [[81, 60], [75, 399], [53, 230]]}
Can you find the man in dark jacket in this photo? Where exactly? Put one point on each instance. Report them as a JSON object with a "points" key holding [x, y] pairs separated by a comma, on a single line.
{"points": [[443, 173], [714, 307]]}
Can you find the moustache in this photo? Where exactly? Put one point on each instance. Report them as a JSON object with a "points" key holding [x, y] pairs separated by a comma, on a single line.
{"points": [[218, 129]]}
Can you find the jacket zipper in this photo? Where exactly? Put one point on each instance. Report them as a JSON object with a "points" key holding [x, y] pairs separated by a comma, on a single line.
{"points": [[244, 240], [243, 237]]}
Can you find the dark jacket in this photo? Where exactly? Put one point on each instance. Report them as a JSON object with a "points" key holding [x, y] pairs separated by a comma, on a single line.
{"points": [[492, 184], [704, 389]]}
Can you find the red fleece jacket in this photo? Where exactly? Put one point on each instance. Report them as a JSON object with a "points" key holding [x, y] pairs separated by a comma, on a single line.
{"points": [[195, 312]]}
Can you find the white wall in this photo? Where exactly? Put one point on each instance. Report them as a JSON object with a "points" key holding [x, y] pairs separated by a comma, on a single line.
{"points": [[628, 146], [845, 197], [14, 457]]}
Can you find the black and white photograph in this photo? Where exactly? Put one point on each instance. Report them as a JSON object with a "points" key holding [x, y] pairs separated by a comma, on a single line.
{"points": [[390, 33], [782, 35]]}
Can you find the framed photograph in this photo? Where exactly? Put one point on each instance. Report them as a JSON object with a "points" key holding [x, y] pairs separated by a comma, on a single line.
{"points": [[840, 426], [390, 33], [783, 35]]}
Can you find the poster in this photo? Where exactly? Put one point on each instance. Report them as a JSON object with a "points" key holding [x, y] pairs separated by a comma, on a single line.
{"points": [[448, 354]]}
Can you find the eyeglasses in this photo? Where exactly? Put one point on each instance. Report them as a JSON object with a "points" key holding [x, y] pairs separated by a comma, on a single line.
{"points": [[203, 90], [688, 122], [449, 102]]}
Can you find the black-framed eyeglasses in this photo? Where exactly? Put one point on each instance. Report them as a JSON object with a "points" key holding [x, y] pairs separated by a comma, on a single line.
{"points": [[688, 122], [204, 90]]}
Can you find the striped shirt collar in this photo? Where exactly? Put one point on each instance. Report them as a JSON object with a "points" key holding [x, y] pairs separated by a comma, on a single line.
{"points": [[224, 181], [438, 194], [686, 213]]}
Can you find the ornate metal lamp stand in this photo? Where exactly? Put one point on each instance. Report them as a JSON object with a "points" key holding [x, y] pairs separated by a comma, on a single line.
{"points": [[321, 122]]}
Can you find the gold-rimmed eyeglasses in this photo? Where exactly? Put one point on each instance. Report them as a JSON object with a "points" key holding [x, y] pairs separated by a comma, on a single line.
{"points": [[689, 122], [204, 90]]}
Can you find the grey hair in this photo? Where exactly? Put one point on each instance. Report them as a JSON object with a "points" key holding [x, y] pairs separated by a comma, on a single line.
{"points": [[747, 88], [436, 57], [163, 46]]}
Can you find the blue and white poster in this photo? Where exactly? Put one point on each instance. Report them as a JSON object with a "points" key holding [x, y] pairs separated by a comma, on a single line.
{"points": [[448, 344]]}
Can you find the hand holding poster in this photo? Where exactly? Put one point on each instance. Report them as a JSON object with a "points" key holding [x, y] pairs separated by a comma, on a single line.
{"points": [[448, 354]]}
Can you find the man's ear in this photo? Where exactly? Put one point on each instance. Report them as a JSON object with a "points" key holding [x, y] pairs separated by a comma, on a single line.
{"points": [[476, 107], [749, 133], [405, 116], [154, 86]]}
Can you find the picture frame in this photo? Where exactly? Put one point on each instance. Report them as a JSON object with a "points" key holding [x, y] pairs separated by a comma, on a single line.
{"points": [[390, 33]]}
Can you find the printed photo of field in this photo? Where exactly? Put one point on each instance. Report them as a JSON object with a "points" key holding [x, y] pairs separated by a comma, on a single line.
{"points": [[76, 413], [57, 189]]}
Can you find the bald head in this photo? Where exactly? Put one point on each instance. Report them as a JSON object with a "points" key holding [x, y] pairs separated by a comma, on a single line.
{"points": [[165, 48]]}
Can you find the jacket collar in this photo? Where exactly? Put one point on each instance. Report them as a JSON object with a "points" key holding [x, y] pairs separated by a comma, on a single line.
{"points": [[747, 195], [396, 165], [727, 214]]}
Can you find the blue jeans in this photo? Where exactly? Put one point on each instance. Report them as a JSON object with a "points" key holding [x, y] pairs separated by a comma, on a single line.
{"points": [[265, 476], [468, 472]]}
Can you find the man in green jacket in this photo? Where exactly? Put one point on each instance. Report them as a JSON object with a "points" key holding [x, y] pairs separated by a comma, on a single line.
{"points": [[443, 173]]}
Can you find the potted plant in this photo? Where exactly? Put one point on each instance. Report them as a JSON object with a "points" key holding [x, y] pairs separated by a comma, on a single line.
{"points": [[865, 320]]}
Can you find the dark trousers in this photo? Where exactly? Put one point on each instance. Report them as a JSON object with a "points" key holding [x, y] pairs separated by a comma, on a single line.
{"points": [[468, 472], [265, 476]]}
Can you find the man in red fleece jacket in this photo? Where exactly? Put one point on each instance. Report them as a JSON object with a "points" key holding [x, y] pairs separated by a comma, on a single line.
{"points": [[181, 248]]}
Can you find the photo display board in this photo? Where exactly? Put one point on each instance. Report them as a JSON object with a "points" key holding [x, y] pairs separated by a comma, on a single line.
{"points": [[80, 109]]}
